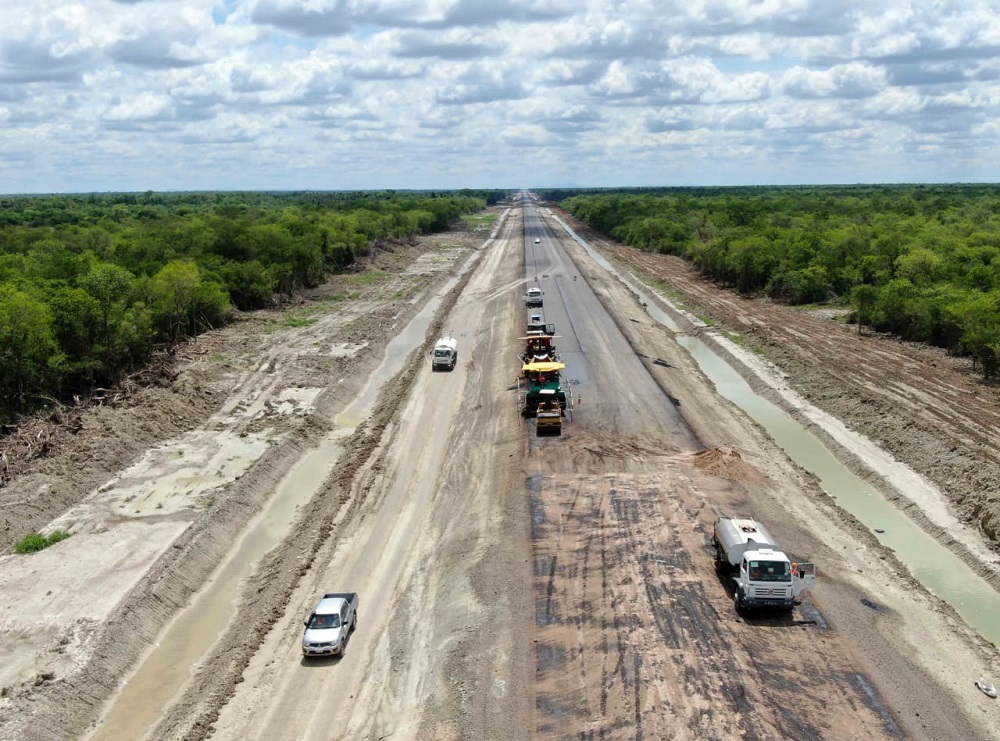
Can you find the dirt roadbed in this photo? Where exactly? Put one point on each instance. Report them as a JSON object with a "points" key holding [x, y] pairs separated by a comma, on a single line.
{"points": [[877, 671], [928, 409], [155, 488], [583, 603]]}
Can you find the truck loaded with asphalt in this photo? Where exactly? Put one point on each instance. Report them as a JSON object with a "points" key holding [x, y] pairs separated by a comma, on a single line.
{"points": [[760, 574]]}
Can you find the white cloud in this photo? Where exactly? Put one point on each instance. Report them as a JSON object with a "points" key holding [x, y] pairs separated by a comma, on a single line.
{"points": [[852, 80], [103, 94]]}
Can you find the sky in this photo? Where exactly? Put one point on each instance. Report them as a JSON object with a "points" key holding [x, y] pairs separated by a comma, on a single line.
{"points": [[135, 95]]}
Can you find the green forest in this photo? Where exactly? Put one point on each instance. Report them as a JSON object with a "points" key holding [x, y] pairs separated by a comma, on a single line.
{"points": [[921, 262], [91, 285]]}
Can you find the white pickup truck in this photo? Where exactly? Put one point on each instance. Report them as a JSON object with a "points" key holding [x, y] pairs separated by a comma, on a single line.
{"points": [[330, 625]]}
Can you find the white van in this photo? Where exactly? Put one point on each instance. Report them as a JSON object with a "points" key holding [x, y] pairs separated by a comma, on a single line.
{"points": [[445, 354]]}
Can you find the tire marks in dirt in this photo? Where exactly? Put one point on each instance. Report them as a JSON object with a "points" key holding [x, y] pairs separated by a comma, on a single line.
{"points": [[636, 638]]}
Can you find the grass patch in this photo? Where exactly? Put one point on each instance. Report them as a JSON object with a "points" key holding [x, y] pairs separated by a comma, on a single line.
{"points": [[668, 291], [367, 278], [480, 221], [299, 319], [38, 542]]}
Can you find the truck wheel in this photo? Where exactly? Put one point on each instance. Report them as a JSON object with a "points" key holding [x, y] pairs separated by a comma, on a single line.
{"points": [[354, 623], [737, 602]]}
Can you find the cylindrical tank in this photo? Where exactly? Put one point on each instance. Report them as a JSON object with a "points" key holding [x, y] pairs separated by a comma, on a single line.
{"points": [[736, 536]]}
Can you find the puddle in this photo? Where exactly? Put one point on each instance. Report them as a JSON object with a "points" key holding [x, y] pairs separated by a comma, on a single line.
{"points": [[933, 565], [170, 478], [143, 697]]}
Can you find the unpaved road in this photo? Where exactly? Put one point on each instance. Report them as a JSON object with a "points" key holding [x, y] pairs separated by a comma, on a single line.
{"points": [[510, 587]]}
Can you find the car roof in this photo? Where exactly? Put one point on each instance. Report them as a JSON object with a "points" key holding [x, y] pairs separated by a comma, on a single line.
{"points": [[329, 605]]}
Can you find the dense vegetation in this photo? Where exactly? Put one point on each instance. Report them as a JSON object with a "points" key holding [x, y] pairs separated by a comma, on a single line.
{"points": [[921, 262], [91, 284]]}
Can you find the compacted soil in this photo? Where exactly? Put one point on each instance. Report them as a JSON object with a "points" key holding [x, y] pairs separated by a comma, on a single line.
{"points": [[511, 586]]}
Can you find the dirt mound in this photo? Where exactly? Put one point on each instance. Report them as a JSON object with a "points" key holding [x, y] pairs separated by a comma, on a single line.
{"points": [[725, 463]]}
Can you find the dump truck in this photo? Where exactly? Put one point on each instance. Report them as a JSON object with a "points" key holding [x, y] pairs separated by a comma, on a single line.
{"points": [[330, 625], [757, 571], [445, 354]]}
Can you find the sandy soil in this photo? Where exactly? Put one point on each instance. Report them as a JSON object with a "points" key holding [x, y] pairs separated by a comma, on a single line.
{"points": [[156, 487], [836, 650], [928, 409], [510, 586]]}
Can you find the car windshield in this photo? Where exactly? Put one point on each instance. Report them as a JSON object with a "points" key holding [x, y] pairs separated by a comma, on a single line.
{"points": [[321, 622], [441, 353], [770, 571]]}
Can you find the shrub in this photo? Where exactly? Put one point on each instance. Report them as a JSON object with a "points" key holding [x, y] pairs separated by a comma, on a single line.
{"points": [[38, 542]]}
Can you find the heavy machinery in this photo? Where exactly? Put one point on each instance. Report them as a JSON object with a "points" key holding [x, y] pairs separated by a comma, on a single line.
{"points": [[760, 574], [548, 418], [542, 385]]}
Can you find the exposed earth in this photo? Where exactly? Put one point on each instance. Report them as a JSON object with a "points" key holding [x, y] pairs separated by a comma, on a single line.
{"points": [[511, 586]]}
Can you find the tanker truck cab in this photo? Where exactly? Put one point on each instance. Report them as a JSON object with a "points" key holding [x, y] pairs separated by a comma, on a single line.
{"points": [[445, 354]]}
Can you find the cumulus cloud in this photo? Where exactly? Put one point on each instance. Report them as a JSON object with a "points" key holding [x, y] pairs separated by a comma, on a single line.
{"points": [[852, 80], [595, 89]]}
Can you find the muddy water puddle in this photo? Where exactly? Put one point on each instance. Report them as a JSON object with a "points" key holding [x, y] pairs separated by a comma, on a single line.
{"points": [[932, 564], [172, 661], [187, 640]]}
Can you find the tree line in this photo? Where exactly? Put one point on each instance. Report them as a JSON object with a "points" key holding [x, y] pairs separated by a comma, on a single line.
{"points": [[919, 261], [91, 284]]}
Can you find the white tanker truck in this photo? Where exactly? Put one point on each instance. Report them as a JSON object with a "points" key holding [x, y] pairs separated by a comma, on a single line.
{"points": [[761, 575]]}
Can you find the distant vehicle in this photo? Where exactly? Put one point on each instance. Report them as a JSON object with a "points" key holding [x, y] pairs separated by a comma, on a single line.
{"points": [[759, 573], [537, 240], [533, 297], [330, 625], [445, 354]]}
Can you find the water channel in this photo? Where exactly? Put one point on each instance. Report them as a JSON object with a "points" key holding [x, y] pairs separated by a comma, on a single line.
{"points": [[932, 564], [143, 697]]}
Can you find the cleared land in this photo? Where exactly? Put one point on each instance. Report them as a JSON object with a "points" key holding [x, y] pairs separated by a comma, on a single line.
{"points": [[510, 587]]}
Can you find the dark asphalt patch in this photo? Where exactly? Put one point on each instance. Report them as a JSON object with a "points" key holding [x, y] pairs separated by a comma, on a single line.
{"points": [[873, 701], [872, 605]]}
